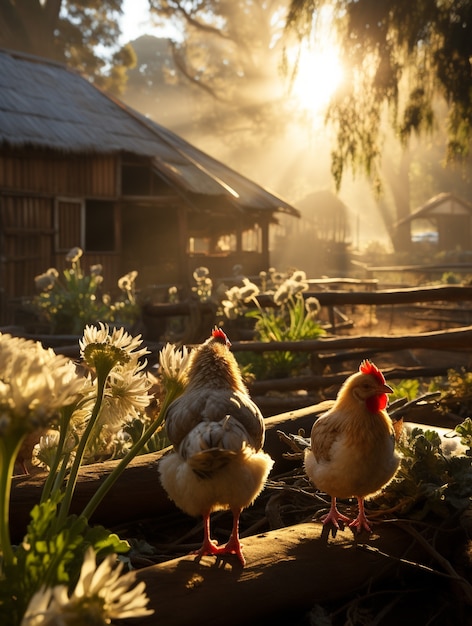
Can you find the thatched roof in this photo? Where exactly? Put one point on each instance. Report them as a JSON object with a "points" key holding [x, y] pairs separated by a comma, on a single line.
{"points": [[46, 105]]}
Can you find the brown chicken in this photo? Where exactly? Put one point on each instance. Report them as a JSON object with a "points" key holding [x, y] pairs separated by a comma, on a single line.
{"points": [[217, 433], [353, 444]]}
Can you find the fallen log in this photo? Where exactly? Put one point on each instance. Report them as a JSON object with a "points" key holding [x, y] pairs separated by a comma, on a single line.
{"points": [[287, 572], [459, 339], [450, 293], [295, 383], [138, 493], [409, 295]]}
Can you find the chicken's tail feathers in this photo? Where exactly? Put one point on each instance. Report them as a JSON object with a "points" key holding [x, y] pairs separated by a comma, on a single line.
{"points": [[207, 462], [210, 446]]}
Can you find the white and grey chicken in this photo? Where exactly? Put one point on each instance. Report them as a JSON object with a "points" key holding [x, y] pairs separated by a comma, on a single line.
{"points": [[217, 434]]}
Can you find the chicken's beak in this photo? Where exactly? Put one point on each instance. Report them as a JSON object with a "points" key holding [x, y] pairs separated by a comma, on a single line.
{"points": [[386, 388]]}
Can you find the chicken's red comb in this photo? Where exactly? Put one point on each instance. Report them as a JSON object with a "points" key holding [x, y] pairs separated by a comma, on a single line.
{"points": [[367, 367], [220, 336]]}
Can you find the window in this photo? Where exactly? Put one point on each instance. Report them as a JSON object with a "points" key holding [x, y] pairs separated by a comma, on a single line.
{"points": [[99, 226], [89, 224]]}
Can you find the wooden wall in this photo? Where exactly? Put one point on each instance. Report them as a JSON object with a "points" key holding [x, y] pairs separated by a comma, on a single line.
{"points": [[52, 173], [26, 236], [30, 182]]}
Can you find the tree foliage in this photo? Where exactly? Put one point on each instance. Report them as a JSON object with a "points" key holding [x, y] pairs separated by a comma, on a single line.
{"points": [[402, 58], [230, 50], [83, 34]]}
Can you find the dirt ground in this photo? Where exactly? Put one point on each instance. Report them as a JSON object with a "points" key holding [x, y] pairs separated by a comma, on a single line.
{"points": [[391, 321]]}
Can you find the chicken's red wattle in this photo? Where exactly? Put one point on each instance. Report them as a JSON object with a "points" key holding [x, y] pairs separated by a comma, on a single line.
{"points": [[378, 403]]}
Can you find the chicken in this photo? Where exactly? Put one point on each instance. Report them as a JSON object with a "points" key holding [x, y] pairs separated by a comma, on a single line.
{"points": [[352, 449], [217, 433]]}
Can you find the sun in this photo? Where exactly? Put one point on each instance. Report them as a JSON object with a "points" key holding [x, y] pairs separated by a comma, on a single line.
{"points": [[318, 69], [318, 75]]}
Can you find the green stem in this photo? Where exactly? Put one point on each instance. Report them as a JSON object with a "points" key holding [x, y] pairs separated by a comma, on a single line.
{"points": [[119, 469], [66, 414], [8, 452], [60, 475], [74, 472]]}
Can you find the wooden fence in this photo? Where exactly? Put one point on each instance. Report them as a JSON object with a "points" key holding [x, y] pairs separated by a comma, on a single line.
{"points": [[340, 352], [333, 357]]}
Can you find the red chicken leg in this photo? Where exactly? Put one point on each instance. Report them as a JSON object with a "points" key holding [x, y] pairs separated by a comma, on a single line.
{"points": [[361, 521], [334, 516]]}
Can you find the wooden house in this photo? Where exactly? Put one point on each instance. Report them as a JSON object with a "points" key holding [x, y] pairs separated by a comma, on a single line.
{"points": [[444, 222], [79, 168]]}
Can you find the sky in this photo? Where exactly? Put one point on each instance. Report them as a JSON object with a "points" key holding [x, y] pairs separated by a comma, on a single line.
{"points": [[136, 21]]}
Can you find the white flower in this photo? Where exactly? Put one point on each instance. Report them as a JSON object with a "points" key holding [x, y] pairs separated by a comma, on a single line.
{"points": [[45, 451], [96, 270], [282, 294], [126, 282], [200, 273], [100, 348], [173, 363], [126, 395], [299, 276], [233, 295], [102, 594], [35, 383], [249, 291], [46, 281], [230, 310], [312, 306], [74, 254]]}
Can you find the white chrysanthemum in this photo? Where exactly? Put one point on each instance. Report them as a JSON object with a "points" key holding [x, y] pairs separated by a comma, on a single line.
{"points": [[41, 609], [282, 294], [296, 286], [130, 386], [96, 270], [173, 363], [118, 337], [45, 451], [101, 348], [126, 282], [312, 306], [74, 254], [102, 594], [230, 310], [299, 276], [126, 396], [233, 295], [35, 384], [46, 281], [248, 291], [200, 273]]}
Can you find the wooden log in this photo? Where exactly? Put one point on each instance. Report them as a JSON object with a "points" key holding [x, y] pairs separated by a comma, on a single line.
{"points": [[294, 383], [450, 293], [287, 571], [408, 295], [457, 339], [138, 493]]}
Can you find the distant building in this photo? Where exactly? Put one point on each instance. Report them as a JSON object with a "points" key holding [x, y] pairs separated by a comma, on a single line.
{"points": [[319, 242], [79, 168], [444, 222]]}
